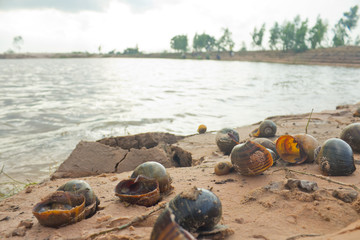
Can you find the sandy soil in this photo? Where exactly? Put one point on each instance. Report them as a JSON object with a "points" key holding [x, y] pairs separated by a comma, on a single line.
{"points": [[253, 207]]}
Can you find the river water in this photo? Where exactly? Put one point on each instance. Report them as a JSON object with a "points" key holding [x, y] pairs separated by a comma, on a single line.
{"points": [[49, 105]]}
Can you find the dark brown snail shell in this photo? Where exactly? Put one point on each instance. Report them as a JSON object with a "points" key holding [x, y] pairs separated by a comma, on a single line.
{"points": [[60, 209], [140, 190], [222, 168], [297, 149], [83, 188], [351, 135], [197, 209], [250, 158], [201, 129], [268, 144], [154, 170], [225, 142], [267, 128], [165, 228], [336, 158]]}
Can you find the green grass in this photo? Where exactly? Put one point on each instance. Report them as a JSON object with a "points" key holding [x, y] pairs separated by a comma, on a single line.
{"points": [[14, 185]]}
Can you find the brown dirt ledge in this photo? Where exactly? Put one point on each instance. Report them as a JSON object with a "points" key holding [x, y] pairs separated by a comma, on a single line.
{"points": [[253, 207], [346, 56]]}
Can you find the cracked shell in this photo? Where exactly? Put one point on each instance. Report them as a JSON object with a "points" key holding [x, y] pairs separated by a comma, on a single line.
{"points": [[250, 158]]}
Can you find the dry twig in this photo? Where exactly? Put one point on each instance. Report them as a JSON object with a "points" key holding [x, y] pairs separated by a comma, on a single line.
{"points": [[132, 222], [321, 177]]}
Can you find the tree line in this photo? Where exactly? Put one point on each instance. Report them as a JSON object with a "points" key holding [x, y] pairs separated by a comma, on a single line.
{"points": [[293, 35]]}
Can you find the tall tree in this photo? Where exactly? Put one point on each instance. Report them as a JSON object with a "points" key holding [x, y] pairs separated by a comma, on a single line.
{"points": [[340, 35], [275, 32], [18, 41], [287, 35], [225, 42], [257, 36], [301, 29], [347, 23], [203, 41], [350, 18], [179, 43], [317, 33]]}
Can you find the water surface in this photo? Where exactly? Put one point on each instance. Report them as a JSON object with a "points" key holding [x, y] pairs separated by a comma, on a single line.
{"points": [[49, 105]]}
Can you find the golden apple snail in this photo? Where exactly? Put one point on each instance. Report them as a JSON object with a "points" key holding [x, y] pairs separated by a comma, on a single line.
{"points": [[83, 188], [335, 158], [296, 149], [192, 211], [154, 170], [166, 228], [267, 128], [251, 158], [60, 209], [226, 139], [196, 209], [357, 112], [268, 144], [351, 135], [222, 168], [141, 190], [201, 129]]}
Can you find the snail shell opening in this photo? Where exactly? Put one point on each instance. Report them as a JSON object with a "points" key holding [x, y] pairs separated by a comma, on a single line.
{"points": [[141, 190], [60, 209]]}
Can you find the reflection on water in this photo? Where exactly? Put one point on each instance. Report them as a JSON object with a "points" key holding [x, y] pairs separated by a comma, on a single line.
{"points": [[49, 105]]}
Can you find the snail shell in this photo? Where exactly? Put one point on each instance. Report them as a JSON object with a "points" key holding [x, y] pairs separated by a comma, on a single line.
{"points": [[141, 190], [222, 168], [268, 144], [336, 158], [165, 228], [357, 112], [83, 188], [351, 135], [250, 158], [201, 129], [59, 209], [267, 128], [224, 141], [154, 170], [297, 149], [197, 209]]}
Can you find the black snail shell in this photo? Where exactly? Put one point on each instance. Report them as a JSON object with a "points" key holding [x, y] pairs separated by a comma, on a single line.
{"points": [[60, 209], [335, 158], [351, 135], [251, 158], [154, 170], [165, 228], [140, 190], [267, 128], [83, 188], [224, 141], [196, 209]]}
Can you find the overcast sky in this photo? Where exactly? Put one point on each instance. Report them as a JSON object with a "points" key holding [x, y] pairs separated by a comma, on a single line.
{"points": [[84, 25]]}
